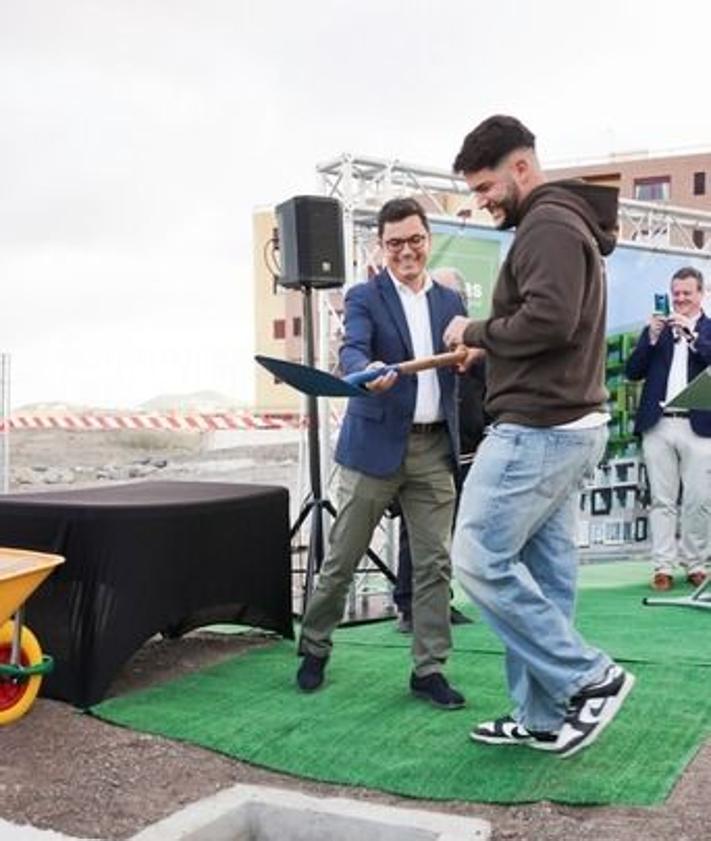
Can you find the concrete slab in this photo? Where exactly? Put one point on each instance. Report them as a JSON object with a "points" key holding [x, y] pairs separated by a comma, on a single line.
{"points": [[258, 813]]}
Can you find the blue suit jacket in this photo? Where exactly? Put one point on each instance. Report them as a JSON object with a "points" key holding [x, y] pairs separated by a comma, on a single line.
{"points": [[373, 437], [652, 363]]}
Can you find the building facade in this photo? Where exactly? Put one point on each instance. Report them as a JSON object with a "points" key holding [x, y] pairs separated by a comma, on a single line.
{"points": [[677, 180]]}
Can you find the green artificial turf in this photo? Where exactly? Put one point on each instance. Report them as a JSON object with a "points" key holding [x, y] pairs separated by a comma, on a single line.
{"points": [[363, 728], [610, 614]]}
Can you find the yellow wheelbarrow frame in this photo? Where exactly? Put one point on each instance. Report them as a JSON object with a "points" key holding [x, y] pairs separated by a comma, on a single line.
{"points": [[22, 664]]}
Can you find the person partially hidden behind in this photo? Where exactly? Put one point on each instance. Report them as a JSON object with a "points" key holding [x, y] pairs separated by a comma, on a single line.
{"points": [[472, 422], [401, 441], [514, 551], [676, 443]]}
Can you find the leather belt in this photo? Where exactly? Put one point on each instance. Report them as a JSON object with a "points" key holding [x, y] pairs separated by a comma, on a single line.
{"points": [[675, 415], [435, 426]]}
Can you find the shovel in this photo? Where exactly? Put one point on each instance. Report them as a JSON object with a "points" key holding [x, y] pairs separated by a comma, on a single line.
{"points": [[318, 383]]}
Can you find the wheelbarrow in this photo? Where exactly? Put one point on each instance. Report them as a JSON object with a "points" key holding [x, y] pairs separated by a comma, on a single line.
{"points": [[22, 663]]}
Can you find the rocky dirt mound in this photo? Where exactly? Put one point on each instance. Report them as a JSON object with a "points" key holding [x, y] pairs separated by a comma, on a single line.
{"points": [[61, 458]]}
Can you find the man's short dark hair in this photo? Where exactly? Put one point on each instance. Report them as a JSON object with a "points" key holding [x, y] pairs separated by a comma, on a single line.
{"points": [[689, 271], [489, 143], [396, 210]]}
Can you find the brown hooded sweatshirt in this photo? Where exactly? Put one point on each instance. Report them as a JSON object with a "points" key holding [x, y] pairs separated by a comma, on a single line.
{"points": [[545, 339]]}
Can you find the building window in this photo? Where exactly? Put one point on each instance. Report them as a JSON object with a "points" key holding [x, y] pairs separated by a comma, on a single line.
{"points": [[279, 328], [697, 235], [297, 326], [653, 189], [699, 184]]}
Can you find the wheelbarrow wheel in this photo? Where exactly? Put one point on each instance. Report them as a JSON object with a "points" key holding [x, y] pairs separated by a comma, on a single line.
{"points": [[17, 696]]}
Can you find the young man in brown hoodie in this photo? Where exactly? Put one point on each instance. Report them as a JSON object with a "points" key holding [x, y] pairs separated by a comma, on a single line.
{"points": [[514, 552]]}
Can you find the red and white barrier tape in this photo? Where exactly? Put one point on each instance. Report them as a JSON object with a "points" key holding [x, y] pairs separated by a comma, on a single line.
{"points": [[192, 422]]}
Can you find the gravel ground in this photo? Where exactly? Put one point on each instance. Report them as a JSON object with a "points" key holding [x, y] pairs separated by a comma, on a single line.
{"points": [[63, 770]]}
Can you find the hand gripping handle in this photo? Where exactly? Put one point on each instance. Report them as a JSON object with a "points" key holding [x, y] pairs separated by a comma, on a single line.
{"points": [[411, 366]]}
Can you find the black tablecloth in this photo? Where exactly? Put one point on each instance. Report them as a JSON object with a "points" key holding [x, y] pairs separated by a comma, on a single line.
{"points": [[146, 558]]}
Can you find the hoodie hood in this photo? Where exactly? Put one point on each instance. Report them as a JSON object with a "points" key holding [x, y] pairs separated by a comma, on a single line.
{"points": [[596, 204]]}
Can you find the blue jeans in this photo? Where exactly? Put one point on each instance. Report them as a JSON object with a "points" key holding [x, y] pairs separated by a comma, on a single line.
{"points": [[514, 555]]}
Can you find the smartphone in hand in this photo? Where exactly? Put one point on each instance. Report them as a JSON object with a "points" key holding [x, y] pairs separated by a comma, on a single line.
{"points": [[661, 304]]}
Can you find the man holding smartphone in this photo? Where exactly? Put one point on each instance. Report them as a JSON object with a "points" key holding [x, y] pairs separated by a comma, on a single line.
{"points": [[673, 349]]}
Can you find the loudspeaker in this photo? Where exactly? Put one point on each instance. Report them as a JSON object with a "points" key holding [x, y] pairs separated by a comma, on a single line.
{"points": [[311, 242]]}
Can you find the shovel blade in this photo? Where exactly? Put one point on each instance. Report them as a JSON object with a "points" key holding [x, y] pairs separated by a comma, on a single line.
{"points": [[311, 381]]}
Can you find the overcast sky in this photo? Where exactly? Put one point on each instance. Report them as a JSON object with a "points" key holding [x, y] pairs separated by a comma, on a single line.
{"points": [[136, 139]]}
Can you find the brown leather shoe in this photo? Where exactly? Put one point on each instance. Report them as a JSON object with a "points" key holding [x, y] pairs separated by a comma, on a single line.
{"points": [[662, 581], [696, 579]]}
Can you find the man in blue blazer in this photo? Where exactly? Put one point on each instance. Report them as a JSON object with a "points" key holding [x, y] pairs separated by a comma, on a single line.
{"points": [[671, 351], [399, 441]]}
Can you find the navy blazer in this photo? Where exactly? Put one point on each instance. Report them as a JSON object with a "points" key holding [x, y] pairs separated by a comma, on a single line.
{"points": [[375, 429], [652, 363]]}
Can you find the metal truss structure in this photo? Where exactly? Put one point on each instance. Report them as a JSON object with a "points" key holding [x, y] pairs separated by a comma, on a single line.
{"points": [[363, 184], [656, 225]]}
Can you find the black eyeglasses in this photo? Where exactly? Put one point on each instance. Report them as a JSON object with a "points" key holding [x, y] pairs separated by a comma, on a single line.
{"points": [[416, 241]]}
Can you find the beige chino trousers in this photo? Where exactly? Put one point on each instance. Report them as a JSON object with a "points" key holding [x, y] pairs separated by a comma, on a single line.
{"points": [[673, 452]]}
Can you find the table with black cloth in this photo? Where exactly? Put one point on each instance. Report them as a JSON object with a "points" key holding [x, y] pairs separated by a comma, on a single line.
{"points": [[148, 558]]}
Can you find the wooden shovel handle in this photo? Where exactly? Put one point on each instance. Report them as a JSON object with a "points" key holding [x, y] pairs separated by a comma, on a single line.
{"points": [[439, 360]]}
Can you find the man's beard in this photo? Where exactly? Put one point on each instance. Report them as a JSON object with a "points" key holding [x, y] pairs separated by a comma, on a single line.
{"points": [[509, 205]]}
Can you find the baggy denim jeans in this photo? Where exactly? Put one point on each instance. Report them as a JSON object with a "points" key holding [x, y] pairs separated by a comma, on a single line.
{"points": [[514, 554]]}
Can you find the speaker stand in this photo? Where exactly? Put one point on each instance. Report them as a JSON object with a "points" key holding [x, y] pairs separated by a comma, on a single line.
{"points": [[318, 504]]}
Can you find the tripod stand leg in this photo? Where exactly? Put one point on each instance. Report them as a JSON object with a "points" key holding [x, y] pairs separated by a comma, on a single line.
{"points": [[315, 556], [303, 514], [382, 566]]}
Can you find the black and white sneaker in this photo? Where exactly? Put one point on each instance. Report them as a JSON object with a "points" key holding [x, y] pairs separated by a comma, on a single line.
{"points": [[609, 684], [507, 731], [591, 710]]}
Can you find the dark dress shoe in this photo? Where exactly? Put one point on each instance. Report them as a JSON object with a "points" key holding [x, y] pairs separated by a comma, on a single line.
{"points": [[456, 617], [662, 582], [311, 672], [435, 689], [404, 624], [696, 579]]}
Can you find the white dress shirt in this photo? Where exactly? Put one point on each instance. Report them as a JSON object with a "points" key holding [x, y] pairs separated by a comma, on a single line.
{"points": [[679, 370], [428, 407]]}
